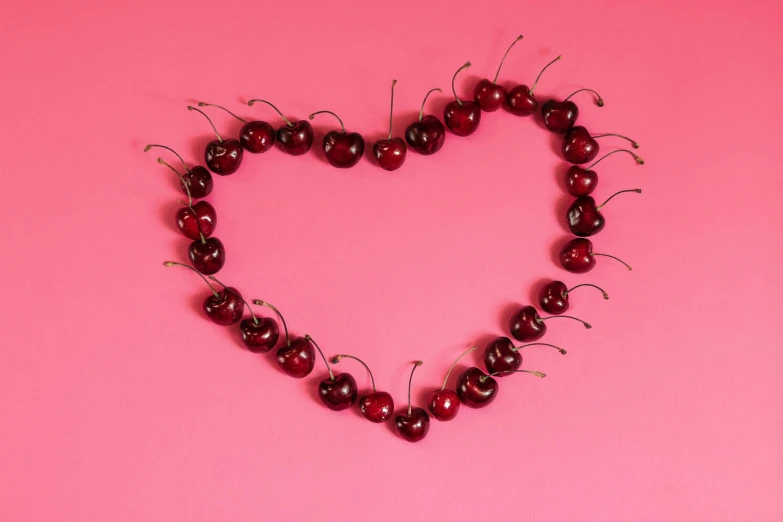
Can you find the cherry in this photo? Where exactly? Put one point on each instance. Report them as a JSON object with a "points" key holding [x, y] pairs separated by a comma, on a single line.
{"points": [[207, 255], [427, 135], [581, 182], [561, 116], [343, 150], [295, 138], [585, 219], [580, 147], [224, 307], [255, 136], [461, 117], [501, 356], [488, 94], [553, 296], [196, 221], [477, 390], [390, 153], [376, 406], [196, 181], [415, 423], [223, 157], [444, 404], [520, 100], [527, 326], [577, 256], [297, 357], [337, 393]]}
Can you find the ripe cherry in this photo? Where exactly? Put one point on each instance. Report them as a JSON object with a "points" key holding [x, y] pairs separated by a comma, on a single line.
{"points": [[376, 406], [488, 94], [577, 256], [224, 307], [461, 117], [527, 326], [582, 182], [336, 392], [477, 390], [553, 296], [294, 138], [414, 424], [561, 116], [520, 100], [444, 404], [223, 157], [390, 153], [585, 218], [198, 179], [342, 150], [580, 147], [297, 357], [207, 255], [255, 136], [427, 135], [501, 356]]}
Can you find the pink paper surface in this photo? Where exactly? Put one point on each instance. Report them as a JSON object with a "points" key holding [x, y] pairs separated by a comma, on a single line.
{"points": [[121, 402]]}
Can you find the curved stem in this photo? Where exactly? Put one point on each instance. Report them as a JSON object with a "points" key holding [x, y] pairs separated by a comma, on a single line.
{"points": [[639, 160], [173, 263], [600, 101], [410, 381], [331, 375], [633, 143], [215, 279], [615, 258], [191, 108], [421, 112], [517, 348], [337, 358], [251, 102], [259, 302], [587, 325], [504, 57], [606, 296], [599, 207], [184, 183], [333, 114], [151, 145], [542, 72], [537, 374], [205, 104], [391, 109], [453, 78], [453, 365]]}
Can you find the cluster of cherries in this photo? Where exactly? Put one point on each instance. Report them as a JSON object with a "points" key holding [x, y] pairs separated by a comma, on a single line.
{"points": [[296, 358]]}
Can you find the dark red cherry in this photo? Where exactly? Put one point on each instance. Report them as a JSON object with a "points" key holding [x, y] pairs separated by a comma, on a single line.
{"points": [[527, 326], [501, 357], [520, 100], [196, 182], [413, 424], [585, 218], [488, 94], [559, 116], [475, 389], [376, 406], [427, 135], [580, 147], [296, 358], [390, 153], [224, 307], [342, 149], [581, 182], [223, 157], [260, 334], [254, 136], [294, 138], [553, 296], [338, 392], [207, 255], [577, 256], [461, 117], [197, 220], [444, 404]]}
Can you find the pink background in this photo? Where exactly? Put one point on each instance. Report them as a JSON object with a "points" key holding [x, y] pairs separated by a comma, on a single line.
{"points": [[121, 402]]}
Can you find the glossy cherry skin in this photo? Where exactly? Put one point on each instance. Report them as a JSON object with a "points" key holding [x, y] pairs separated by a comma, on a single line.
{"points": [[580, 182], [413, 426], [257, 136], [462, 119], [578, 146], [295, 139], [444, 404], [226, 308], [489, 96], [260, 335], [584, 218], [553, 298], [577, 256], [339, 393], [377, 406], [520, 102], [526, 325], [426, 136], [343, 149], [224, 157], [207, 256], [559, 116], [297, 359], [200, 220], [499, 356], [390, 154], [199, 182], [476, 389]]}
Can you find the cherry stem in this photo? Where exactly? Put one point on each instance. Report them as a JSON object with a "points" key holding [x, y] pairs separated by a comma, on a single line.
{"points": [[151, 145], [606, 296], [455, 363], [251, 102], [504, 57], [184, 183], [542, 72], [173, 263], [215, 279], [453, 78], [191, 108], [615, 258], [337, 358], [599, 102], [639, 160], [391, 109], [517, 348], [331, 375], [599, 207], [537, 374], [205, 104], [259, 302], [421, 112], [634, 144], [410, 381], [587, 325], [333, 114]]}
